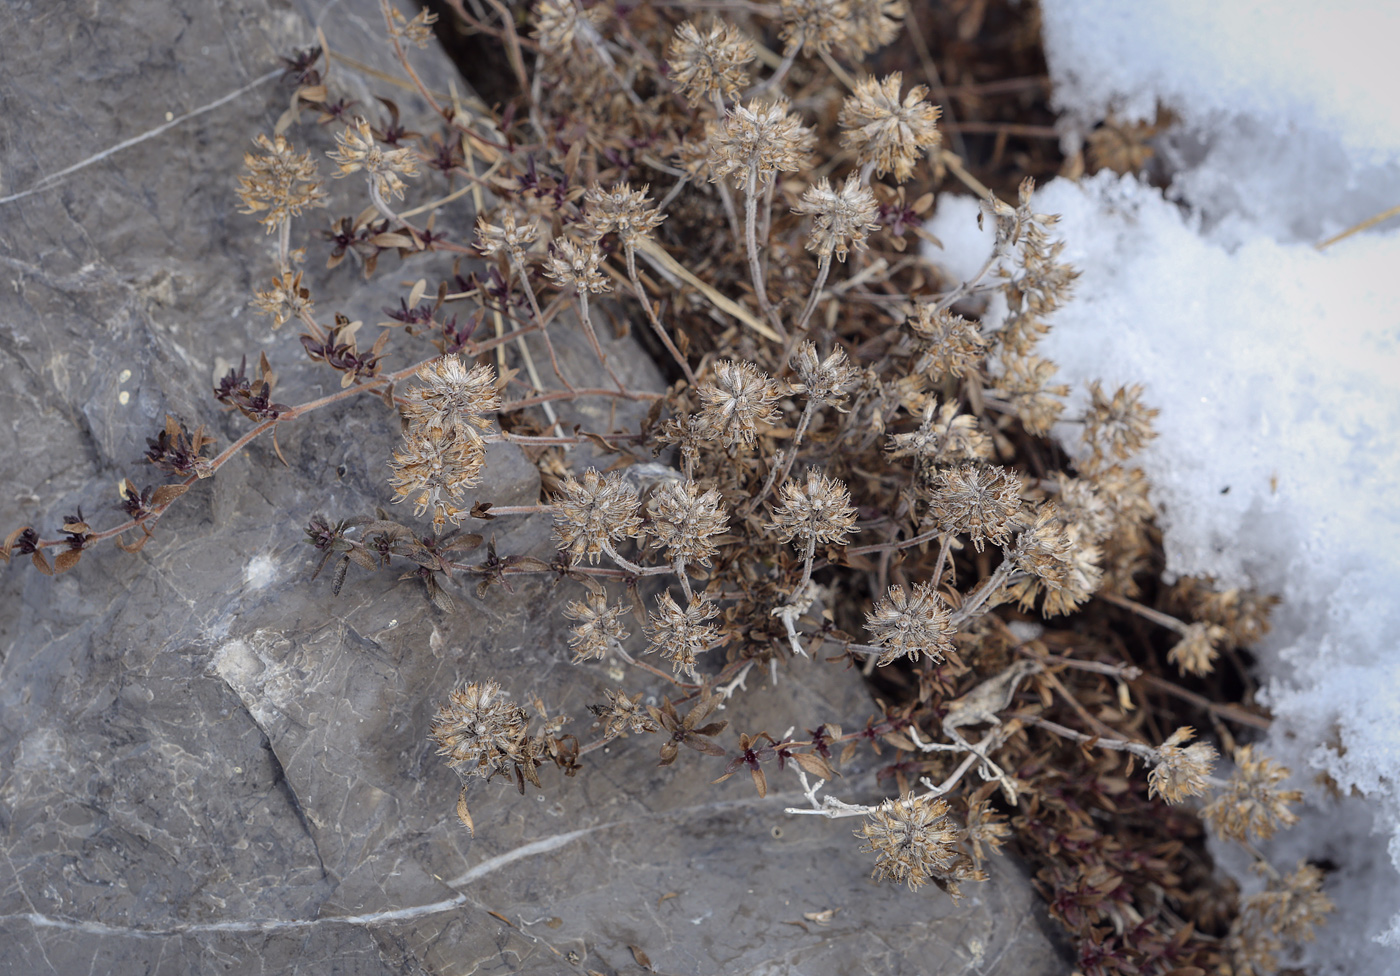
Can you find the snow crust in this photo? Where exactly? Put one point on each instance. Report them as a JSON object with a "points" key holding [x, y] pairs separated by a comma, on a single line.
{"points": [[1276, 367]]}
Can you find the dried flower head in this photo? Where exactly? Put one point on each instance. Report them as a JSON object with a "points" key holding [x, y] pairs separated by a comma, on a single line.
{"points": [[984, 826], [1081, 504], [480, 730], [871, 25], [948, 344], [418, 31], [1197, 650], [1181, 771], [599, 626], [913, 840], [709, 65], [1121, 146], [737, 399], [452, 398], [508, 236], [621, 210], [1293, 905], [813, 26], [1125, 492], [1253, 803], [823, 380], [281, 182], [594, 513], [357, 150], [1117, 426], [285, 300], [757, 141], [816, 509], [576, 264], [678, 635], [1026, 383], [557, 21], [1243, 614], [911, 624], [684, 520], [977, 500], [886, 133], [944, 436], [842, 219], [434, 468], [1060, 564], [622, 714]]}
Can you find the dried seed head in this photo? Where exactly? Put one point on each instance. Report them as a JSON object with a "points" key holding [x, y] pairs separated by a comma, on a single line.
{"points": [[599, 626], [1062, 566], [1121, 146], [1253, 803], [1117, 426], [557, 21], [1125, 491], [762, 139], [285, 300], [944, 437], [1197, 650], [1026, 383], [737, 399], [948, 344], [871, 25], [1244, 614], [1181, 771], [913, 840], [357, 150], [817, 509], [841, 219], [453, 398], [813, 26], [883, 131], [1014, 224], [1081, 504], [678, 635], [418, 31], [434, 468], [508, 236], [599, 510], [684, 519], [709, 64], [480, 730], [985, 826], [620, 209], [576, 264], [622, 714], [1291, 907], [913, 625], [823, 380], [281, 182], [976, 500]]}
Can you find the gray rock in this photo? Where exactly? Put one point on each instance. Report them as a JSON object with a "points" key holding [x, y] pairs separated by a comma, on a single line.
{"points": [[210, 763]]}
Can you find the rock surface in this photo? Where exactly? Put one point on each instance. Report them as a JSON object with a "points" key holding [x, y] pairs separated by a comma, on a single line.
{"points": [[208, 763]]}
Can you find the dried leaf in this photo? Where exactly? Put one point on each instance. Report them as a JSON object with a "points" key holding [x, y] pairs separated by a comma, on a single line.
{"points": [[812, 763], [10, 541], [464, 815], [66, 560], [166, 494]]}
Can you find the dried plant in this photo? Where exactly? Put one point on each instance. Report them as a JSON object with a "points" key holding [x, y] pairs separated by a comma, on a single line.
{"points": [[929, 510]]}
